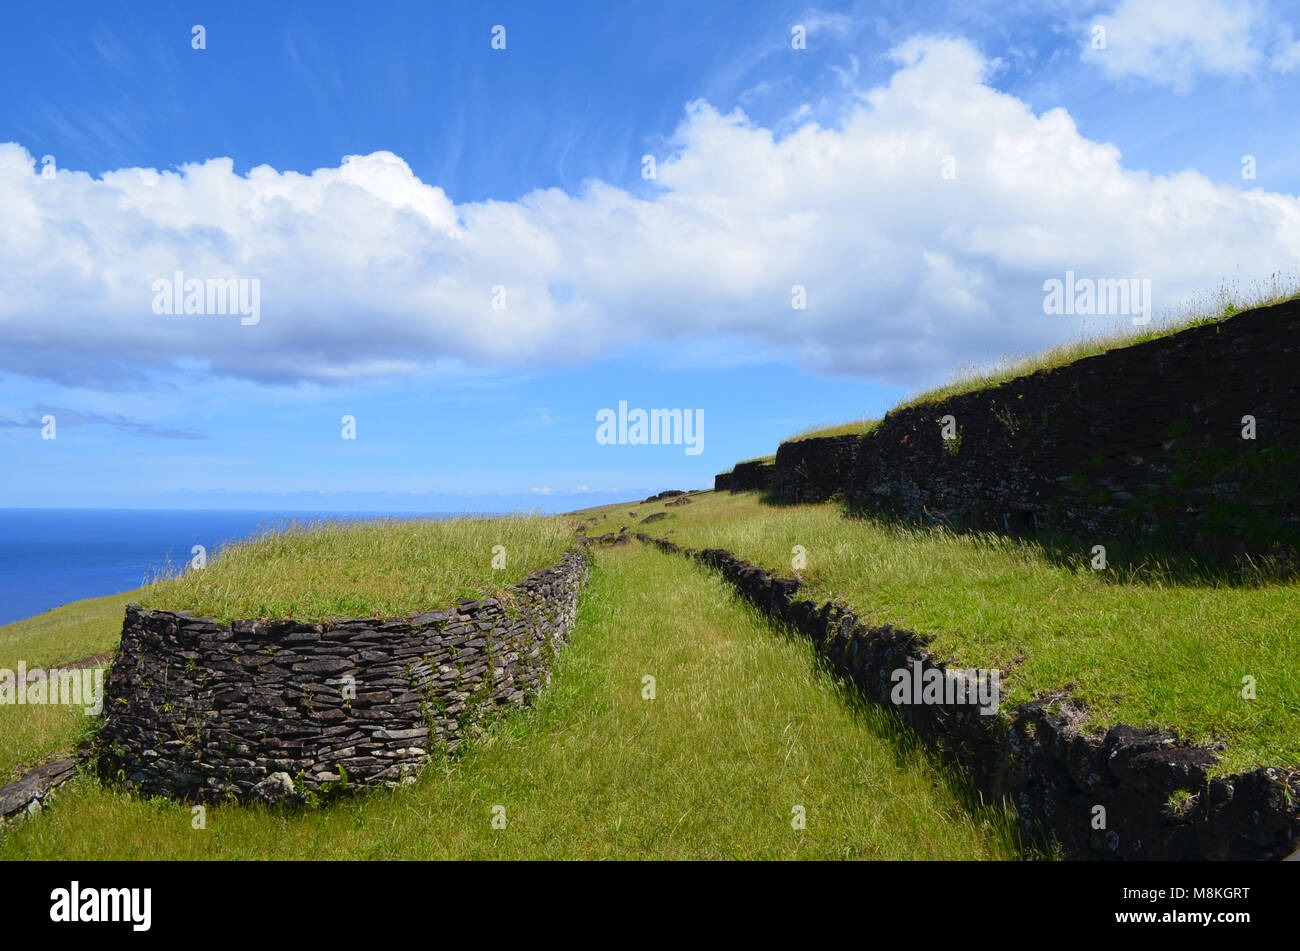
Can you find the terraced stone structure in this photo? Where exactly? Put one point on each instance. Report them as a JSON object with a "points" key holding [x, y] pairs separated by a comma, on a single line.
{"points": [[813, 470], [1143, 442], [205, 711], [753, 476]]}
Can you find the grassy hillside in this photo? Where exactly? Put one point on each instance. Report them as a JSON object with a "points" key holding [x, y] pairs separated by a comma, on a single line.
{"points": [[743, 729], [320, 570], [31, 734], [1140, 647]]}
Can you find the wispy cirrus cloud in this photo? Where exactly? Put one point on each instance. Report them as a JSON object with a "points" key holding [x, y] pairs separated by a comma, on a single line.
{"points": [[71, 418]]}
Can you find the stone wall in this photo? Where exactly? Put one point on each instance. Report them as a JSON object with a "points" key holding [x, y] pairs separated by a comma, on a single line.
{"points": [[813, 470], [1038, 756], [26, 796], [1142, 442], [756, 476], [206, 711]]}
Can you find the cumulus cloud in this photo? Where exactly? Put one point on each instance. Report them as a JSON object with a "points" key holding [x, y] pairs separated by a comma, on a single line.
{"points": [[367, 271]]}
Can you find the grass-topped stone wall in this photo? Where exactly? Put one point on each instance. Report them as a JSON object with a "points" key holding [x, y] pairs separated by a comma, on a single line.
{"points": [[753, 476], [813, 470], [1187, 439], [207, 711]]}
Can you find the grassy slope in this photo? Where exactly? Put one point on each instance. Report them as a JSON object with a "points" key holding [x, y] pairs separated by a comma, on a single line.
{"points": [[31, 734], [1148, 653], [743, 728], [327, 570]]}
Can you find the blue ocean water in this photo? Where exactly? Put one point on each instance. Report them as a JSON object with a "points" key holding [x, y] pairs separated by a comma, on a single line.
{"points": [[49, 557]]}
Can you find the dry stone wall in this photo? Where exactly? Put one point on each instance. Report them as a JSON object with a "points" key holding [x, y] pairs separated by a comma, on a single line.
{"points": [[26, 796], [813, 470], [754, 476], [1143, 442], [206, 711]]}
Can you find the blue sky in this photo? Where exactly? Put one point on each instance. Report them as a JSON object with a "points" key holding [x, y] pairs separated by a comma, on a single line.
{"points": [[522, 169]]}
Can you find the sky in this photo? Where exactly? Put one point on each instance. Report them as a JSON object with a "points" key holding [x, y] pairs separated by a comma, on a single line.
{"points": [[463, 231]]}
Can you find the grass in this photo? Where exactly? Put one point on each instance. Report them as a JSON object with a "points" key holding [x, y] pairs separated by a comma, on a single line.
{"points": [[1139, 647], [1228, 301], [771, 458], [32, 734], [854, 427], [315, 571], [744, 727], [68, 633]]}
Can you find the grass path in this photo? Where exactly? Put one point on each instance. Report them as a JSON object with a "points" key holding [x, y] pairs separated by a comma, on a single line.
{"points": [[743, 729]]}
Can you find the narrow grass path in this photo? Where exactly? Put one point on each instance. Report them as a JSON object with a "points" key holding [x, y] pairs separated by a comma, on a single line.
{"points": [[743, 729]]}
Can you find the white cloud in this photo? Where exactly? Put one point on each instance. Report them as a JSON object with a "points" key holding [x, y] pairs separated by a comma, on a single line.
{"points": [[367, 271], [1171, 41]]}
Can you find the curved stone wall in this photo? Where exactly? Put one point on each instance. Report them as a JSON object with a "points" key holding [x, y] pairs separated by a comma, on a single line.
{"points": [[205, 711]]}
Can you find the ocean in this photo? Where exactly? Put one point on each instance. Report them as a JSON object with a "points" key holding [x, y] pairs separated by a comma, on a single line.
{"points": [[49, 557]]}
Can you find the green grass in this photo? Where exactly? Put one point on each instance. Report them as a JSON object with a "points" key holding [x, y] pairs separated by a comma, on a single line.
{"points": [[1137, 647], [76, 630], [32, 734], [1228, 301], [854, 427], [744, 728], [771, 458], [322, 570]]}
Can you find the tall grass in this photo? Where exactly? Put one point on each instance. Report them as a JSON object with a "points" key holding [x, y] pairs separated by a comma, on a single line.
{"points": [[320, 569], [854, 427]]}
